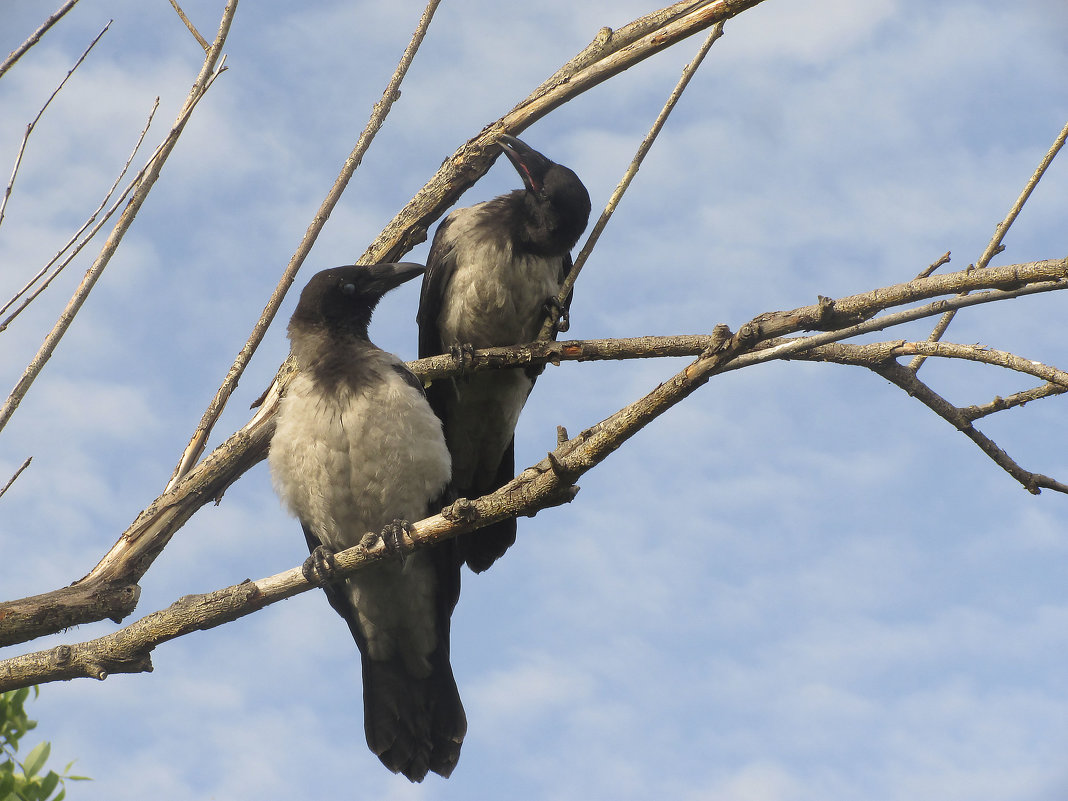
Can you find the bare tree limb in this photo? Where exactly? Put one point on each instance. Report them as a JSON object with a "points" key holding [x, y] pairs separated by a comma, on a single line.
{"points": [[192, 28], [757, 341], [549, 483], [147, 179], [995, 245], [999, 404], [607, 41], [907, 380], [882, 357], [35, 120], [35, 37], [18, 473], [195, 448], [621, 50]]}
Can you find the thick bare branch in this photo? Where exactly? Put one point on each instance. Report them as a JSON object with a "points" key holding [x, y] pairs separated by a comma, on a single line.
{"points": [[644, 37], [756, 342], [608, 41]]}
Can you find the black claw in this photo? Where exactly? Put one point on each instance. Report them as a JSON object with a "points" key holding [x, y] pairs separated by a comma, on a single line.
{"points": [[464, 353], [563, 320], [396, 536], [319, 568]]}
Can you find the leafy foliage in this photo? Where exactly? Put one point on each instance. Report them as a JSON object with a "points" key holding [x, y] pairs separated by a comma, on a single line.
{"points": [[26, 780]]}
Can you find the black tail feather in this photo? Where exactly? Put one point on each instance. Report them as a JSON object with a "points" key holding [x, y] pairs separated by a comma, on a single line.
{"points": [[413, 724]]}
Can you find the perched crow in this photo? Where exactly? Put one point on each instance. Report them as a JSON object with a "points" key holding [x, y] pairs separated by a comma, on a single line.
{"points": [[493, 268], [357, 449]]}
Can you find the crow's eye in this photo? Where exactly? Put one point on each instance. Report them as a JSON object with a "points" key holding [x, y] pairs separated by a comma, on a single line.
{"points": [[348, 288]]}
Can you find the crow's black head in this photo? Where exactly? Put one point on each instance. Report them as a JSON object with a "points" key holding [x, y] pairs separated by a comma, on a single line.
{"points": [[341, 300], [555, 205]]}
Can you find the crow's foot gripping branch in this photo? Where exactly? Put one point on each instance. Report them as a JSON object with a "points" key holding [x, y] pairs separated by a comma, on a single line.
{"points": [[320, 567]]}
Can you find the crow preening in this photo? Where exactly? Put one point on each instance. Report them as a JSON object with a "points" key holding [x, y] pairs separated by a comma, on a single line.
{"points": [[492, 270]]}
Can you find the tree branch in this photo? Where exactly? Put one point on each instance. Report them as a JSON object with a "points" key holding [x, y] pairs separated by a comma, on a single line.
{"points": [[882, 357], [35, 37], [35, 120], [995, 245], [621, 50], [192, 28], [757, 341], [18, 473], [148, 175], [74, 239], [549, 483]]}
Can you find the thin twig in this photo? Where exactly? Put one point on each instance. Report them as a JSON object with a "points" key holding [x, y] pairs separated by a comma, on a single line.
{"points": [[940, 262], [881, 358], [874, 354], [995, 245], [18, 473], [35, 37], [196, 445], [1000, 404], [192, 28], [34, 121], [553, 317], [147, 177], [908, 381], [92, 217]]}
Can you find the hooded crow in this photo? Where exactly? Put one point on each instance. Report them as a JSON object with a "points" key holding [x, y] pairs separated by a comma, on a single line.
{"points": [[492, 270], [357, 449]]}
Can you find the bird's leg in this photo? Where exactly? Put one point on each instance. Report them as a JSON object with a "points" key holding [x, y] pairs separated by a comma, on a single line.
{"points": [[563, 320], [464, 353], [397, 537], [319, 568]]}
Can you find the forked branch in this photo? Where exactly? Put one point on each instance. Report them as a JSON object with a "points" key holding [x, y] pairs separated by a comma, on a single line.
{"points": [[764, 338]]}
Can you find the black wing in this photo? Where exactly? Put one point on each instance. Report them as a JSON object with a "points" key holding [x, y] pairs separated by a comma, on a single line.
{"points": [[440, 265]]}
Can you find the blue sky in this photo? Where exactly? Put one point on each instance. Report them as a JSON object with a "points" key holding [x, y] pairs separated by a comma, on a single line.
{"points": [[798, 585]]}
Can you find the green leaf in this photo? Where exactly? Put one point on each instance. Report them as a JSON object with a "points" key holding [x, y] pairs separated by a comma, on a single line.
{"points": [[36, 759], [48, 784], [7, 783]]}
